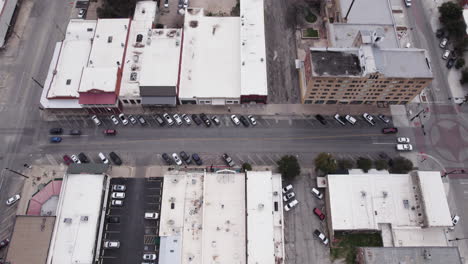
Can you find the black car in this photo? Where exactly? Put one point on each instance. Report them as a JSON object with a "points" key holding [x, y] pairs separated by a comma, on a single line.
{"points": [[185, 157], [205, 119], [166, 159], [244, 121], [160, 120], [113, 219], [82, 157], [5, 242], [450, 63], [440, 33], [75, 132], [390, 130], [115, 158], [197, 159], [321, 119], [56, 131], [142, 120], [196, 119]]}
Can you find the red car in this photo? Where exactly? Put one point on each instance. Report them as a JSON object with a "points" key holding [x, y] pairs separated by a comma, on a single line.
{"points": [[110, 132], [4, 243], [390, 130], [319, 214], [67, 159]]}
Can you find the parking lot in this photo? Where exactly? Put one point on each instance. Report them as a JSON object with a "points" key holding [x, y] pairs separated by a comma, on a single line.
{"points": [[137, 235]]}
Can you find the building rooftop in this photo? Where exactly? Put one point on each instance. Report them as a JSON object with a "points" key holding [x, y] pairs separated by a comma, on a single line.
{"points": [[99, 79], [210, 56], [78, 213], [7, 8], [413, 255], [252, 48], [31, 239], [381, 12], [403, 63], [343, 35], [435, 201], [334, 61]]}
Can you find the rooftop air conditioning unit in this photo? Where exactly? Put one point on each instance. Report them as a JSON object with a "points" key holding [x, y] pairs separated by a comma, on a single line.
{"points": [[133, 76], [67, 220], [84, 218], [175, 180], [170, 222]]}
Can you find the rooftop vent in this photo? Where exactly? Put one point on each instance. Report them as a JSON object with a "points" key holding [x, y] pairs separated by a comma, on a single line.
{"points": [[170, 222], [139, 38], [363, 193], [385, 194], [261, 206], [84, 218], [175, 180], [133, 76], [67, 220]]}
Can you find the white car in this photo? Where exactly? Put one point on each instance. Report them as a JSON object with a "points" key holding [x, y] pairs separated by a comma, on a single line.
{"points": [[81, 13], [124, 119], [289, 196], [350, 119], [151, 215], [168, 119], [149, 256], [119, 188], [408, 3], [13, 199], [117, 203], [404, 147], [290, 205], [114, 120], [403, 140], [339, 120], [235, 120], [455, 220], [187, 119], [75, 159], [111, 244], [103, 158], [177, 119], [252, 120], [96, 120], [321, 236], [287, 188], [443, 43], [176, 159], [118, 195], [317, 193], [446, 54], [369, 118]]}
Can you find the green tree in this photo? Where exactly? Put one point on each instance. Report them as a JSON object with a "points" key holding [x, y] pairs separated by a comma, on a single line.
{"points": [[288, 166], [381, 164], [116, 8], [449, 12], [325, 163], [364, 164], [401, 165], [459, 63], [345, 164], [464, 76], [246, 167]]}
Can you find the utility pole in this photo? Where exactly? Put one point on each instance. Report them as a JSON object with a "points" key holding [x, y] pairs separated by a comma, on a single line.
{"points": [[38, 83], [349, 9], [22, 175]]}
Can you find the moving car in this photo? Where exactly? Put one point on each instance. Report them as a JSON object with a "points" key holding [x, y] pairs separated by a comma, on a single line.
{"points": [[96, 120], [404, 147], [124, 119], [67, 160], [119, 188], [321, 237], [339, 119], [235, 120], [55, 139], [56, 131], [114, 120], [319, 214], [166, 159], [160, 120], [403, 140], [244, 121], [83, 158], [321, 119], [350, 119], [111, 244], [287, 188], [187, 120], [197, 159], [228, 160], [117, 203], [103, 158], [151, 215], [177, 119], [13, 199], [215, 120], [290, 205], [443, 43], [369, 118], [390, 130], [75, 132], [446, 54], [252, 120], [115, 158], [110, 132], [288, 196], [132, 119], [141, 120], [5, 242], [176, 159], [185, 157], [205, 119], [317, 193], [383, 118], [196, 119], [149, 256], [168, 119], [75, 159], [118, 195]]}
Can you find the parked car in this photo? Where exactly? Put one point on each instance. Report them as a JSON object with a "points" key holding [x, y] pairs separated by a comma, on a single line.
{"points": [[196, 119], [103, 158], [67, 160], [56, 131], [123, 119], [450, 63], [118, 195], [119, 187], [235, 120], [321, 237], [228, 160], [185, 157], [186, 3], [149, 256], [5, 242], [339, 119], [403, 140], [113, 219], [160, 120], [446, 54], [440, 33], [319, 214], [407, 3], [244, 121], [321, 119], [404, 147], [13, 199], [455, 220], [317, 193], [287, 188], [151, 215], [181, 4], [197, 159], [177, 119], [81, 13], [176, 159], [111, 244], [216, 120], [141, 120], [383, 118], [290, 205], [288, 196], [96, 120], [117, 203], [55, 139], [110, 132], [114, 120], [115, 158], [443, 43], [132, 119], [166, 159], [252, 120], [390, 130], [187, 120], [369, 118], [205, 119], [75, 132], [75, 159], [166, 3], [83, 158], [168, 119], [350, 119]]}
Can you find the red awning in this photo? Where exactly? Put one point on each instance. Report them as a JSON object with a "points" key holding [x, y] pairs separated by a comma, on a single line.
{"points": [[97, 98]]}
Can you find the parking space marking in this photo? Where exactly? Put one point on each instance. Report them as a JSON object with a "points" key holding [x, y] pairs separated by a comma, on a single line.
{"points": [[273, 162], [260, 158], [251, 160]]}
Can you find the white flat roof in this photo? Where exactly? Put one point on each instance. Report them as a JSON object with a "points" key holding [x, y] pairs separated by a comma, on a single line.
{"points": [[264, 224], [465, 17], [434, 198], [421, 237], [76, 227], [72, 59], [210, 59], [102, 79], [253, 58]]}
